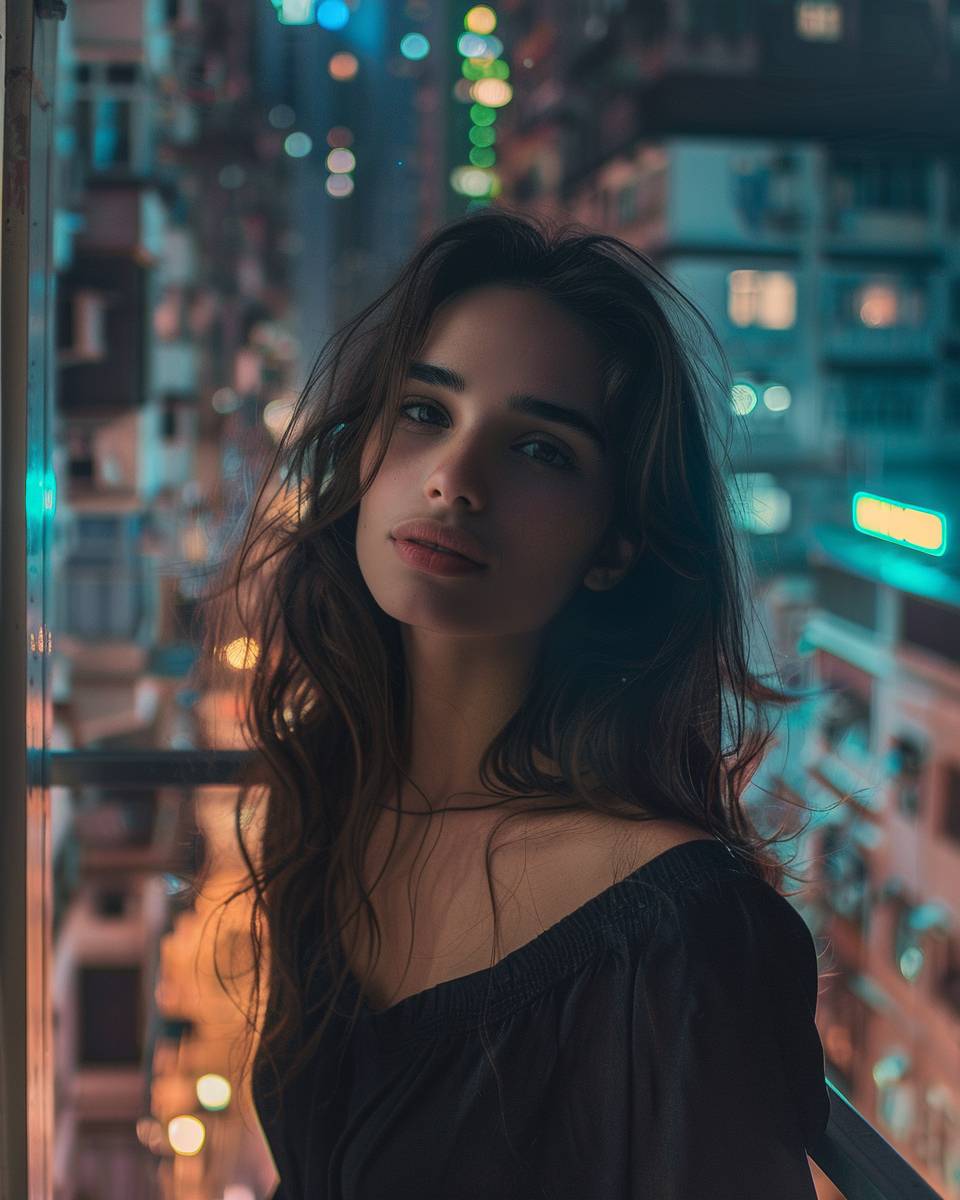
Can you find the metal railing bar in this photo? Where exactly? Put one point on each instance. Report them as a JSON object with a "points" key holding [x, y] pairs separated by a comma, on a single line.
{"points": [[860, 1161], [144, 768]]}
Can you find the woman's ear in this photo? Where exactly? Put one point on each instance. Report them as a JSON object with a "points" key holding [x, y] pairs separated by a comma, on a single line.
{"points": [[615, 558]]}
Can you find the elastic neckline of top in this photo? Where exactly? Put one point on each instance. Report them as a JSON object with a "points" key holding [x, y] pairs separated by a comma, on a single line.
{"points": [[492, 993]]}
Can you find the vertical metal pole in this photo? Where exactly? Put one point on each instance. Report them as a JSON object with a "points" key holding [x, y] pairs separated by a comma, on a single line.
{"points": [[26, 498]]}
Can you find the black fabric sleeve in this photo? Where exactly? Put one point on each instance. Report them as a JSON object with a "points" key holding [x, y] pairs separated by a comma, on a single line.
{"points": [[729, 1073]]}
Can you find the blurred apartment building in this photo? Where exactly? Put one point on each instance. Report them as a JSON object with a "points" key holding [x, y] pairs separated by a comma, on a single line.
{"points": [[206, 241], [795, 167], [171, 249], [200, 265]]}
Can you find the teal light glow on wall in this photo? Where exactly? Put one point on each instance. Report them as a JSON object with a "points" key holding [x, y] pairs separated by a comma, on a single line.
{"points": [[904, 524], [41, 497]]}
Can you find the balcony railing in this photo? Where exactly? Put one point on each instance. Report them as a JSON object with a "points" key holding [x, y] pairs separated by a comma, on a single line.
{"points": [[853, 1155]]}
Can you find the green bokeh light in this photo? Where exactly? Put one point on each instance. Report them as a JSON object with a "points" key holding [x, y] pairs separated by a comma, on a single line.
{"points": [[482, 135], [480, 114], [483, 156]]}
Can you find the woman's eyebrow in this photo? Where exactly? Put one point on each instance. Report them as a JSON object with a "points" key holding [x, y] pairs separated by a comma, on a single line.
{"points": [[523, 402]]}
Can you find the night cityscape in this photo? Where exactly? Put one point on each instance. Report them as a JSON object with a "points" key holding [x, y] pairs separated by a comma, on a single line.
{"points": [[197, 195]]}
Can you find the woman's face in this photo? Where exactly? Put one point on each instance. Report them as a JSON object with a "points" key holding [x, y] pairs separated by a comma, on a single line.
{"points": [[467, 458]]}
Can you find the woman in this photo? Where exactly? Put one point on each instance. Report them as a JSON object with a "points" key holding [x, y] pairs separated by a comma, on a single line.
{"points": [[503, 590]]}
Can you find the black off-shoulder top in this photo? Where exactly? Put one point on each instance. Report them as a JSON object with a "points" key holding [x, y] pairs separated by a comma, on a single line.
{"points": [[657, 1043]]}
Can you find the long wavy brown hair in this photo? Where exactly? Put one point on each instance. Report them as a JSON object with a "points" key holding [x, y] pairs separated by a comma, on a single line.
{"points": [[645, 689]]}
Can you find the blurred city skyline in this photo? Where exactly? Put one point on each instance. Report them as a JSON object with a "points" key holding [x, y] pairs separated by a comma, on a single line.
{"points": [[197, 196]]}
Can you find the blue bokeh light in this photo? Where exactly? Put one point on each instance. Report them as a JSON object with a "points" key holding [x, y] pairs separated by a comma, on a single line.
{"points": [[332, 14]]}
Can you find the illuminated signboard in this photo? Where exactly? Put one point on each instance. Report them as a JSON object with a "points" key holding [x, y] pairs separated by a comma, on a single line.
{"points": [[905, 524]]}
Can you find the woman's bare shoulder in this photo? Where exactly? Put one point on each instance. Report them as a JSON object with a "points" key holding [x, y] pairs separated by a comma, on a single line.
{"points": [[606, 847], [635, 843]]}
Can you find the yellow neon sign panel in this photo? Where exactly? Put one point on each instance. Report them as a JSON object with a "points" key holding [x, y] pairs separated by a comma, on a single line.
{"points": [[904, 524]]}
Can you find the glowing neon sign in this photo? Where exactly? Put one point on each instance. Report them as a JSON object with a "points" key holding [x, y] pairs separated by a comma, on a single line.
{"points": [[904, 524]]}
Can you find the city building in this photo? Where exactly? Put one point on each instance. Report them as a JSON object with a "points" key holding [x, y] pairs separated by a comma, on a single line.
{"points": [[760, 155], [197, 196]]}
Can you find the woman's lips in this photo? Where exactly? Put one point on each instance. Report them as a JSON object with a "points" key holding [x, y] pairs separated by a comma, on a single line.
{"points": [[435, 562]]}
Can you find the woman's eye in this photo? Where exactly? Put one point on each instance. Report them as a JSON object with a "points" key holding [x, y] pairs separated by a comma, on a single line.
{"points": [[568, 463], [419, 404]]}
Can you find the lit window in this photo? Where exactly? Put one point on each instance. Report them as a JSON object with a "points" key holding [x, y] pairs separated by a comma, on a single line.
{"points": [[882, 304], [878, 305], [764, 298], [819, 20]]}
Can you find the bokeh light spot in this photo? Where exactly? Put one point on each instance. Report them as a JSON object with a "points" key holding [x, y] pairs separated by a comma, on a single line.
{"points": [[332, 14], [281, 116], [339, 186], [414, 46], [186, 1134], [480, 19], [343, 66], [340, 161], [298, 145], [743, 397]]}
